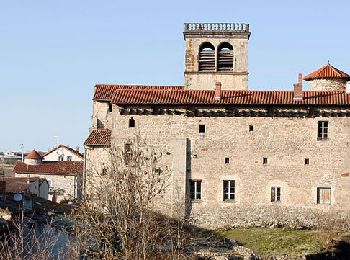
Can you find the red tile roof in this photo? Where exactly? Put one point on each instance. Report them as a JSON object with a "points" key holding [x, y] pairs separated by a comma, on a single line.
{"points": [[51, 168], [228, 97], [99, 137], [66, 147], [105, 92], [33, 155], [327, 72]]}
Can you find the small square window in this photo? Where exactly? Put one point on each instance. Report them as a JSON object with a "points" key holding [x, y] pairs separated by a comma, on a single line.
{"points": [[251, 128], [307, 161], [264, 160], [131, 122], [227, 160], [201, 129]]}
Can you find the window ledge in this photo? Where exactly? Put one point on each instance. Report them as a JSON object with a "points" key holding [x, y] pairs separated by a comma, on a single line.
{"points": [[229, 201], [196, 201], [322, 139]]}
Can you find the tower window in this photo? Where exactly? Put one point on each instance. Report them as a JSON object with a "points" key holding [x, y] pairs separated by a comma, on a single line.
{"points": [[201, 129], [251, 128], [131, 122], [322, 133], [227, 160], [225, 57], [307, 161], [207, 57]]}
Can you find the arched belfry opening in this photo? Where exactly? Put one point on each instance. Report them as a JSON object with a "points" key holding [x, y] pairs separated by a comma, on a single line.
{"points": [[225, 57], [206, 57], [216, 52]]}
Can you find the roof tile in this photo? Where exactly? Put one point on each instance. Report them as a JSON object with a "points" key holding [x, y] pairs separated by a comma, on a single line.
{"points": [[238, 97], [54, 168], [99, 137], [327, 72]]}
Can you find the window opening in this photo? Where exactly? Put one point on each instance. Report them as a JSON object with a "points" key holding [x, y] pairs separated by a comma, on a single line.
{"points": [[229, 190], [195, 189], [275, 194], [201, 129], [225, 57], [322, 130], [323, 195], [207, 57], [131, 122]]}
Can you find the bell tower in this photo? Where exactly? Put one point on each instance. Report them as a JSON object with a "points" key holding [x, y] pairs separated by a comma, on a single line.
{"points": [[216, 52]]}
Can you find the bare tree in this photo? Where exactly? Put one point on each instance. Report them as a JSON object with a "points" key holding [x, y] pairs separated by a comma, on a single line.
{"points": [[117, 217], [35, 244]]}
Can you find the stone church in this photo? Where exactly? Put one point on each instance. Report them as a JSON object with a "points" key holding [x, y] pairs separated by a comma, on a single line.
{"points": [[237, 156]]}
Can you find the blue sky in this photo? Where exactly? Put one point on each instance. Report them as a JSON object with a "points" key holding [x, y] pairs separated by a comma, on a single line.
{"points": [[53, 52]]}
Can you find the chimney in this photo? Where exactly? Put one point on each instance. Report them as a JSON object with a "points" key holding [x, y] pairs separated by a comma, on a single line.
{"points": [[298, 88], [77, 149], [217, 91]]}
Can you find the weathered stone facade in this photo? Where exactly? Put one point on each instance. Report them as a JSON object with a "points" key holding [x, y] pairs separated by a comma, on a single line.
{"points": [[328, 84], [258, 144], [195, 36]]}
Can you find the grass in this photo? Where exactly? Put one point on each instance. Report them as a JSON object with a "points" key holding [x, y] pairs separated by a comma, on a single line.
{"points": [[282, 241]]}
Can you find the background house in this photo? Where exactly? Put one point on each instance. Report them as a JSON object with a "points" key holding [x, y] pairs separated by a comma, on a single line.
{"points": [[63, 176], [63, 153]]}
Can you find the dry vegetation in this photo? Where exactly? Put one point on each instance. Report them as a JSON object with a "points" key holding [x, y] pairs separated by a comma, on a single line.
{"points": [[269, 242]]}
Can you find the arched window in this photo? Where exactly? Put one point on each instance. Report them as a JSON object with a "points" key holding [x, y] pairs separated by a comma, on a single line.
{"points": [[207, 57], [225, 57]]}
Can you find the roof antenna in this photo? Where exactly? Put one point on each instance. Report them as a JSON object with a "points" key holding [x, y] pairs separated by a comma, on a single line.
{"points": [[328, 63]]}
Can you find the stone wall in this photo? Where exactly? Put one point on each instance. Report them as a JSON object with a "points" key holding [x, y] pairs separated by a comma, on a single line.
{"points": [[327, 84], [235, 80], [67, 183], [285, 141]]}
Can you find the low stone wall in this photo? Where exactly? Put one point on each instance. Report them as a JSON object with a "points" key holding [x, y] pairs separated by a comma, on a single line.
{"points": [[265, 216]]}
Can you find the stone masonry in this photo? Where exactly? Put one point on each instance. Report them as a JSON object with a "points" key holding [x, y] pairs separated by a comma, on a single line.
{"points": [[258, 144]]}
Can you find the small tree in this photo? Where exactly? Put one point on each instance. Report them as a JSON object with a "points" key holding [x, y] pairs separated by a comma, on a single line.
{"points": [[118, 212]]}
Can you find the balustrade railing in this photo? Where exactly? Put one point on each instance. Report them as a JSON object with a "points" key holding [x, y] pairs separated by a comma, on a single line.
{"points": [[189, 27]]}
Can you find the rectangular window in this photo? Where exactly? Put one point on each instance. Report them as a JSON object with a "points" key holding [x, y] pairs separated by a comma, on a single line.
{"points": [[322, 130], [227, 160], [307, 161], [251, 128], [275, 194], [229, 190], [264, 160], [127, 154], [201, 129], [323, 195], [110, 107], [195, 189], [131, 122]]}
